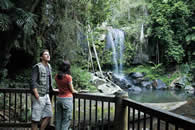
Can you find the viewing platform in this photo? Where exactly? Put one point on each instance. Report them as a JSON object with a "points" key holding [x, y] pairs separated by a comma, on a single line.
{"points": [[91, 112]]}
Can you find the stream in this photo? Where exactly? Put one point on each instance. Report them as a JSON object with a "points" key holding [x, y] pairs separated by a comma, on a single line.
{"points": [[167, 96], [159, 96]]}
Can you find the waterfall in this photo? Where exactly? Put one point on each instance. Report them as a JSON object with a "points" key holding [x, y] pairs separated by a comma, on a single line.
{"points": [[142, 34], [115, 40], [121, 42], [145, 14], [142, 50]]}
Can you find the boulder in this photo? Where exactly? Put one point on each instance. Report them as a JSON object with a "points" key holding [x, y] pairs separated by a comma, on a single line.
{"points": [[104, 85], [158, 84], [108, 88], [136, 75], [135, 89], [146, 84]]}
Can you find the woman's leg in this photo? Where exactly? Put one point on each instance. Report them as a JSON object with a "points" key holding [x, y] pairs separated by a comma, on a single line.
{"points": [[58, 116], [67, 114]]}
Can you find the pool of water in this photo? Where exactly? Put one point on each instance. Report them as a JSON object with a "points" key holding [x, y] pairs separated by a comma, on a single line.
{"points": [[158, 96]]}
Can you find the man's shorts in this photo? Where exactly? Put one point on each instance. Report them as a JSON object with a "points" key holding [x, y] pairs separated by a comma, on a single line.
{"points": [[41, 108]]}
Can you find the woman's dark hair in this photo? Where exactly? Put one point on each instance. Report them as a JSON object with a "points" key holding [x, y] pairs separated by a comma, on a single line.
{"points": [[64, 68]]}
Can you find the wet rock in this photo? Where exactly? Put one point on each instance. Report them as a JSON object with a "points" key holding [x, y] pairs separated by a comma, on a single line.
{"points": [[135, 89], [137, 81], [158, 84], [179, 85], [122, 81], [136, 75], [189, 89], [146, 84], [181, 82]]}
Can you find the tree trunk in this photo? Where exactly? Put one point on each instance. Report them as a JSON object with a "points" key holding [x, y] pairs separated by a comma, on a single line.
{"points": [[96, 56], [157, 53], [90, 55], [34, 5], [97, 59]]}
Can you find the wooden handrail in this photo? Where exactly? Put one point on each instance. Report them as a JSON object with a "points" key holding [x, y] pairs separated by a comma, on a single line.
{"points": [[15, 90], [184, 122], [98, 97]]}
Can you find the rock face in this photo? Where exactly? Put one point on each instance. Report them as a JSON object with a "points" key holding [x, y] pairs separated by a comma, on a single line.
{"points": [[104, 85], [135, 82], [158, 84]]}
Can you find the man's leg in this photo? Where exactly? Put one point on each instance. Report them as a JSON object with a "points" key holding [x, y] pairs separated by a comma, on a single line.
{"points": [[44, 123], [36, 113], [34, 125], [46, 113]]}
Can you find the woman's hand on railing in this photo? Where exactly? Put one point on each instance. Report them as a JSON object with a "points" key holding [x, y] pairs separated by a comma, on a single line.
{"points": [[84, 91], [75, 91], [55, 90]]}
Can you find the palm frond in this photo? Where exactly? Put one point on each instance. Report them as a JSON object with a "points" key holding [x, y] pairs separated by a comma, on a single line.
{"points": [[6, 4], [25, 20]]}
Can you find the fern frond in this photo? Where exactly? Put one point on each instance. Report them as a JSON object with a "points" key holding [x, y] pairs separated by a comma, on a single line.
{"points": [[4, 22]]}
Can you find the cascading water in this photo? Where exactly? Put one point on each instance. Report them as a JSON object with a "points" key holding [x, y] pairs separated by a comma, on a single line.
{"points": [[133, 15], [142, 52], [142, 34], [115, 40]]}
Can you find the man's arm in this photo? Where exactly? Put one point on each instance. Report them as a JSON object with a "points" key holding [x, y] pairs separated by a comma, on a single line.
{"points": [[34, 82], [36, 93]]}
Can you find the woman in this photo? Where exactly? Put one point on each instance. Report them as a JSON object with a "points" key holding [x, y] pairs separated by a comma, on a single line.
{"points": [[65, 97]]}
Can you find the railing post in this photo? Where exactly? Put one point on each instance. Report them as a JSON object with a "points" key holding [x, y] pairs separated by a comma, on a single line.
{"points": [[121, 112]]}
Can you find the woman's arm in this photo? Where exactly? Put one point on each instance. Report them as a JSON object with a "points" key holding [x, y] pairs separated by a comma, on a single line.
{"points": [[72, 88]]}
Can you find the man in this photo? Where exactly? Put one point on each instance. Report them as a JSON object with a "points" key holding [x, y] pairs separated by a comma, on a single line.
{"points": [[41, 87]]}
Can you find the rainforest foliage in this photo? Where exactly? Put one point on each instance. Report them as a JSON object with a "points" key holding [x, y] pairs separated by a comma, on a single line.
{"points": [[172, 27], [65, 27]]}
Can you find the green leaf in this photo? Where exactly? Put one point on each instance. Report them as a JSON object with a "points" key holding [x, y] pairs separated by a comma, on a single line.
{"points": [[6, 4], [190, 37]]}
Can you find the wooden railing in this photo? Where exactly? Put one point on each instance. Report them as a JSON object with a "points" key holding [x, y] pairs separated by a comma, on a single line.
{"points": [[141, 117], [15, 107], [93, 112]]}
